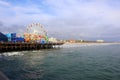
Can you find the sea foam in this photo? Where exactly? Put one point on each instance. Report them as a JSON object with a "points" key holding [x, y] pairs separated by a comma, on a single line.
{"points": [[84, 44], [11, 54]]}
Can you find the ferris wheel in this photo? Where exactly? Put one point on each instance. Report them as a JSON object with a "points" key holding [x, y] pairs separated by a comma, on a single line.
{"points": [[36, 28]]}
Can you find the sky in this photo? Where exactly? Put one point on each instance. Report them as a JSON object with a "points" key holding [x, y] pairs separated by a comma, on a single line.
{"points": [[64, 19]]}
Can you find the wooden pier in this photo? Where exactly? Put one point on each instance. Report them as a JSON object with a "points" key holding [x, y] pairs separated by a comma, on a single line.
{"points": [[18, 46]]}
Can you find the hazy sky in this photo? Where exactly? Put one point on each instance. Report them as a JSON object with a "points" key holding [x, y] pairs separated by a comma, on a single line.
{"points": [[79, 19]]}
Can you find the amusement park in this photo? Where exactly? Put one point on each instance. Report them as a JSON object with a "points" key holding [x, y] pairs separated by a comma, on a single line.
{"points": [[34, 33], [34, 37]]}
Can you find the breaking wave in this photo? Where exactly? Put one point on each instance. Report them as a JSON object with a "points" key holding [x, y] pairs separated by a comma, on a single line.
{"points": [[12, 54], [84, 44]]}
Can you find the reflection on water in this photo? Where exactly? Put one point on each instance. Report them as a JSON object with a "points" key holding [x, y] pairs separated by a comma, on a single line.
{"points": [[22, 65]]}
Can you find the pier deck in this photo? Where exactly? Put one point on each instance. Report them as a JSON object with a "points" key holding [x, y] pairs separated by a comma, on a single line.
{"points": [[11, 46]]}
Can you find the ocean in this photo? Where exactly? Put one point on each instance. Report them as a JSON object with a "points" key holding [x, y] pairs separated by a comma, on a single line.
{"points": [[69, 62]]}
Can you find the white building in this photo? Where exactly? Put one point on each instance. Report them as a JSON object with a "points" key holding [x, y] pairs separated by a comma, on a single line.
{"points": [[99, 40], [52, 39]]}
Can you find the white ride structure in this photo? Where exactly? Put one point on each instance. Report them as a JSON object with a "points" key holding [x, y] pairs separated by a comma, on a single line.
{"points": [[35, 32]]}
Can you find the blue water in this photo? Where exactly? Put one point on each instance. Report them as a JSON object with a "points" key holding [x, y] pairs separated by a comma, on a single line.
{"points": [[95, 62]]}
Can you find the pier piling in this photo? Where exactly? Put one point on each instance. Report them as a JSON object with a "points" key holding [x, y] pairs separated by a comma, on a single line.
{"points": [[10, 46]]}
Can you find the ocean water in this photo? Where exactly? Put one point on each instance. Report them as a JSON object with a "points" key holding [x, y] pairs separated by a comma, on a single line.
{"points": [[70, 62]]}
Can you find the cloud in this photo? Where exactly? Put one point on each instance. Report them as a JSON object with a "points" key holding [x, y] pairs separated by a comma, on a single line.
{"points": [[87, 19], [90, 19], [3, 3]]}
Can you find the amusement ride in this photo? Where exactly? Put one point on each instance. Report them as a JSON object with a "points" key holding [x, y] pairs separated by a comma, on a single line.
{"points": [[35, 32]]}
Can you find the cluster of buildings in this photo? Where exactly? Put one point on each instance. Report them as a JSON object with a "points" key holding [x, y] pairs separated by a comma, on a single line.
{"points": [[11, 37], [82, 41]]}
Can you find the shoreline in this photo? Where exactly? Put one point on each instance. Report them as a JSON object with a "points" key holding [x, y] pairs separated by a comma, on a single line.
{"points": [[85, 44], [94, 43]]}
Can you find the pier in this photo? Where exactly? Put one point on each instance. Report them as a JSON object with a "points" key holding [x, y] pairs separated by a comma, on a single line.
{"points": [[18, 46], [35, 37]]}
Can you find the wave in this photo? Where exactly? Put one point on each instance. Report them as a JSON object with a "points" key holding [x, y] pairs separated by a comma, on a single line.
{"points": [[84, 44], [12, 54]]}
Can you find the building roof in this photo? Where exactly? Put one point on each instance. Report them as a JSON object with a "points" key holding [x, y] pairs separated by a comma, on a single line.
{"points": [[3, 37]]}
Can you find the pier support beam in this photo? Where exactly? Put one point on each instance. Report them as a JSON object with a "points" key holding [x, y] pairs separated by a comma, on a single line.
{"points": [[8, 46]]}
